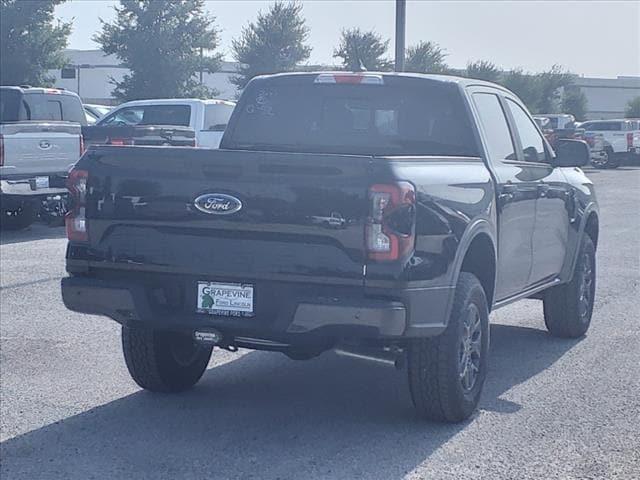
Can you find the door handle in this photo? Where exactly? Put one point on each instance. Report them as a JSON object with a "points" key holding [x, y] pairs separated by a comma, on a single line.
{"points": [[543, 188], [507, 193]]}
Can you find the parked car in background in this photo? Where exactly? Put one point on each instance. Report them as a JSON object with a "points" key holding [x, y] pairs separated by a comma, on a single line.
{"points": [[40, 139], [596, 144], [95, 112], [559, 127], [208, 118], [334, 220], [634, 147], [621, 139], [143, 135], [446, 200], [558, 121]]}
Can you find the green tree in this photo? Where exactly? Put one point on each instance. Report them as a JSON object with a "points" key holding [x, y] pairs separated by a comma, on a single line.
{"points": [[30, 41], [574, 101], [550, 83], [524, 85], [359, 50], [483, 70], [426, 57], [276, 42], [164, 43], [633, 108]]}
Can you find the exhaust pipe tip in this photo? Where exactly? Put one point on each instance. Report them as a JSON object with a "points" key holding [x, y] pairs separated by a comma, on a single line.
{"points": [[388, 357]]}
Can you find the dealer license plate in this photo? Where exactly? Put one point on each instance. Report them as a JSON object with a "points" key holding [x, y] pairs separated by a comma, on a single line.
{"points": [[41, 182], [230, 299]]}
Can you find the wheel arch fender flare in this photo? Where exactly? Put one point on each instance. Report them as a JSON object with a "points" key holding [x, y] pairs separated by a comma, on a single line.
{"points": [[590, 211], [480, 227]]}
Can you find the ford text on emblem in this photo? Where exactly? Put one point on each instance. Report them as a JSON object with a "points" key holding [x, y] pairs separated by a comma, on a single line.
{"points": [[217, 203]]}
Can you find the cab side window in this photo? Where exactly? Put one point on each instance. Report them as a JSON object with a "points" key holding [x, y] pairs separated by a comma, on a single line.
{"points": [[532, 143], [124, 116], [496, 129], [216, 117]]}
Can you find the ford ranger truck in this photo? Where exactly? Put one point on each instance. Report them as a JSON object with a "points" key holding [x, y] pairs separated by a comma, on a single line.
{"points": [[451, 203]]}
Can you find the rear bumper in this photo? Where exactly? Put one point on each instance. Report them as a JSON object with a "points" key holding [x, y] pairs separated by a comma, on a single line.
{"points": [[284, 312], [33, 186]]}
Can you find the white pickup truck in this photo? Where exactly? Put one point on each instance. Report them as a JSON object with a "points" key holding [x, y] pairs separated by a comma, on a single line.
{"points": [[208, 118], [621, 139], [40, 139]]}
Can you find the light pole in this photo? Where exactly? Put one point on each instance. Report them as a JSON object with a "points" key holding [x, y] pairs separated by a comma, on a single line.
{"points": [[401, 11]]}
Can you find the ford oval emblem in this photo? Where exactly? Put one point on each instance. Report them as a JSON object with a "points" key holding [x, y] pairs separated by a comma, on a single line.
{"points": [[45, 144], [217, 203]]}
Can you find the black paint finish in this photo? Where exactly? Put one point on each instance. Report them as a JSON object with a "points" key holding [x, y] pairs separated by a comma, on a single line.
{"points": [[300, 231]]}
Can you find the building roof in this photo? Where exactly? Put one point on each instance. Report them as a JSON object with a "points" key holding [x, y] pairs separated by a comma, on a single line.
{"points": [[97, 58]]}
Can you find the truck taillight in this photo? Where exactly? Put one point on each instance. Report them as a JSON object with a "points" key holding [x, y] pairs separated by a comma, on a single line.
{"points": [[120, 141], [390, 229], [1, 150], [76, 220], [629, 140], [81, 145]]}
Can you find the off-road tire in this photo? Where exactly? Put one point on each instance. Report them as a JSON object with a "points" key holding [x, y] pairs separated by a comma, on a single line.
{"points": [[434, 363], [612, 160], [16, 216], [153, 363], [564, 315]]}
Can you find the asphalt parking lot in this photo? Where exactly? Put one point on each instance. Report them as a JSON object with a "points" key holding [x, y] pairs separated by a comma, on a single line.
{"points": [[552, 409]]}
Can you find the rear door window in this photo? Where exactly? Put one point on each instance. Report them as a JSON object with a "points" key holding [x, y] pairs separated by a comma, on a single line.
{"points": [[496, 129], [406, 118], [179, 115]]}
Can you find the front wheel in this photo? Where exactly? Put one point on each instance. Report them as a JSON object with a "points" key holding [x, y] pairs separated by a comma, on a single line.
{"points": [[447, 373], [162, 361], [568, 308]]}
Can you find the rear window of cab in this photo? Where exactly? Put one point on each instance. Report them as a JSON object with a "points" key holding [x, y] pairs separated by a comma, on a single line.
{"points": [[399, 118], [16, 106]]}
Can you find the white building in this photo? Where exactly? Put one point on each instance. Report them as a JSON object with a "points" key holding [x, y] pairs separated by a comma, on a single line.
{"points": [[90, 73], [608, 97]]}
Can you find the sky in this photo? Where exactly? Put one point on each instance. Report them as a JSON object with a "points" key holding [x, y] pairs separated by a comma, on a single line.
{"points": [[590, 38]]}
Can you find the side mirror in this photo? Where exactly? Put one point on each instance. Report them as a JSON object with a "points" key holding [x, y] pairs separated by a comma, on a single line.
{"points": [[571, 153]]}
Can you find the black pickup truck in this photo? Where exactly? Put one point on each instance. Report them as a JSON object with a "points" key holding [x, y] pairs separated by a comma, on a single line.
{"points": [[446, 200]]}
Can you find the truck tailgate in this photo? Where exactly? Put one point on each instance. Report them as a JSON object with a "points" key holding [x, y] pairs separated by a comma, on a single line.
{"points": [[301, 218], [33, 148]]}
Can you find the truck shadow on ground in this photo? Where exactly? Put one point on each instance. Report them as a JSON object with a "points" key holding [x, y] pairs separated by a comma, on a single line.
{"points": [[264, 416], [37, 231]]}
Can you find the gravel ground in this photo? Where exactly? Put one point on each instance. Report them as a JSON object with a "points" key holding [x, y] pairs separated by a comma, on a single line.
{"points": [[552, 409]]}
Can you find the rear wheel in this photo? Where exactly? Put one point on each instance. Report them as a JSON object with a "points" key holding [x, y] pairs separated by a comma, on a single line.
{"points": [[16, 215], [608, 160], [568, 307], [163, 361], [447, 373]]}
